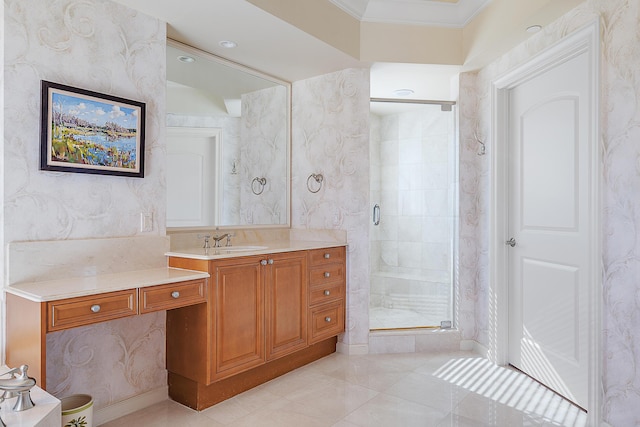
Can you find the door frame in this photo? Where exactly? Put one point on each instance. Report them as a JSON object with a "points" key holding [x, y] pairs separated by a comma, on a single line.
{"points": [[584, 40]]}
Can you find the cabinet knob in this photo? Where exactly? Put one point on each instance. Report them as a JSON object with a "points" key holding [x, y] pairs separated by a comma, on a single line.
{"points": [[327, 256], [327, 274], [327, 319], [270, 262], [327, 292], [263, 262], [95, 308], [175, 294]]}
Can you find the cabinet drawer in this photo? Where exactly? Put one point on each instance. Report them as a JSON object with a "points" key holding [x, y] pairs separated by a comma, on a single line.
{"points": [[326, 293], [327, 320], [329, 273], [326, 256], [80, 311], [174, 295]]}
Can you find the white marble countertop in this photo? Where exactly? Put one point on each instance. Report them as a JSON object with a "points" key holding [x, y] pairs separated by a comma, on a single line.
{"points": [[249, 249], [45, 413], [50, 290]]}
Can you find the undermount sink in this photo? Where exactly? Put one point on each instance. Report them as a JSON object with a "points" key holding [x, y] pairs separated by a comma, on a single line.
{"points": [[242, 248]]}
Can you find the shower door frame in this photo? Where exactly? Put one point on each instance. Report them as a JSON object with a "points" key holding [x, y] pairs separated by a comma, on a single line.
{"points": [[454, 182]]}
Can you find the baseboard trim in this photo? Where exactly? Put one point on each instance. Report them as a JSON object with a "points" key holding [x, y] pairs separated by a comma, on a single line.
{"points": [[352, 349], [467, 345], [130, 405]]}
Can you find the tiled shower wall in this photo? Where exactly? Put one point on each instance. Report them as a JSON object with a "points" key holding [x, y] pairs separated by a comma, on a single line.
{"points": [[412, 158]]}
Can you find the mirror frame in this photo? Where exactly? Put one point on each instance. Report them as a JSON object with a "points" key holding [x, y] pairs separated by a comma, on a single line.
{"points": [[237, 66]]}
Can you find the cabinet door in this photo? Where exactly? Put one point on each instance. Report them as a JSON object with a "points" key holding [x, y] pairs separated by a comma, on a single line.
{"points": [[286, 293], [238, 316]]}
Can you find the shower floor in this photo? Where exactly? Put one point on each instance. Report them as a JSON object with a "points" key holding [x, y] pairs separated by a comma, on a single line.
{"points": [[398, 318]]}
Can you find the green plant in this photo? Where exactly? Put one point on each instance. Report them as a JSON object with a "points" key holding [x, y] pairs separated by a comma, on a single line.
{"points": [[80, 422]]}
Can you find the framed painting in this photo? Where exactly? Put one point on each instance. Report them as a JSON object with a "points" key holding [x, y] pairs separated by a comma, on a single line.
{"points": [[89, 132]]}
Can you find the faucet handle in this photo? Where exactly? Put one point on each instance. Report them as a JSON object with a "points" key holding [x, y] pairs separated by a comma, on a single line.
{"points": [[229, 236], [206, 238]]}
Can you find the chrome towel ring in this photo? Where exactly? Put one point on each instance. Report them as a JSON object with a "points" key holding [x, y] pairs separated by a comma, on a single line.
{"points": [[318, 178], [261, 183]]}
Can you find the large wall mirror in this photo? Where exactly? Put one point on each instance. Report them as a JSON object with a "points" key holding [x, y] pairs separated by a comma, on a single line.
{"points": [[228, 143]]}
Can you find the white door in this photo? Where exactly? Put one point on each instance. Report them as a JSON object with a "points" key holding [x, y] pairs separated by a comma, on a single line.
{"points": [[193, 176], [550, 221]]}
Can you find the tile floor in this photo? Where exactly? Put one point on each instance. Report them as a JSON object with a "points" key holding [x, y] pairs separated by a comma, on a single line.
{"points": [[455, 389]]}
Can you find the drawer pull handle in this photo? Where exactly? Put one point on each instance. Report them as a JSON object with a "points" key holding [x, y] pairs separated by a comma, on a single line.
{"points": [[327, 274], [327, 256], [95, 308], [263, 262], [327, 319], [270, 262], [175, 294], [327, 292]]}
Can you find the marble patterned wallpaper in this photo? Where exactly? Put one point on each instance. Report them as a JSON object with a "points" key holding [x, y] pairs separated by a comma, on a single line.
{"points": [[105, 47], [263, 154], [620, 200], [330, 136]]}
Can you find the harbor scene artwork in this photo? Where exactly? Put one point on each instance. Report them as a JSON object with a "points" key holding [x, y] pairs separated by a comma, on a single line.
{"points": [[89, 132]]}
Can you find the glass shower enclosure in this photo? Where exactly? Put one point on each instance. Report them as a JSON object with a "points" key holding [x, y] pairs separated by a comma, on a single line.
{"points": [[414, 182]]}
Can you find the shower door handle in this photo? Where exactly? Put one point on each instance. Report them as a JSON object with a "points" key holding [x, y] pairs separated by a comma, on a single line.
{"points": [[376, 214]]}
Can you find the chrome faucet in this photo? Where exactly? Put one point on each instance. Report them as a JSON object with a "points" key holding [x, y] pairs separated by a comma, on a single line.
{"points": [[216, 239], [20, 386]]}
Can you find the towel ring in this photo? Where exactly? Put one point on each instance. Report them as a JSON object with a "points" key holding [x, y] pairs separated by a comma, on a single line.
{"points": [[483, 149], [318, 178], [261, 183]]}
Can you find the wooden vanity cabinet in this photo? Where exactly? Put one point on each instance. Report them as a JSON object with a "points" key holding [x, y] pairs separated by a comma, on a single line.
{"points": [[28, 322], [257, 323], [327, 287], [258, 312]]}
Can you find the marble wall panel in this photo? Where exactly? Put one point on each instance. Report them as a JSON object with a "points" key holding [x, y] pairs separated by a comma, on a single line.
{"points": [[105, 47], [330, 123]]}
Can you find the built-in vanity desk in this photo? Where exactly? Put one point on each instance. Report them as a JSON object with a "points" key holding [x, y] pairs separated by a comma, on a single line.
{"points": [[38, 307], [271, 309]]}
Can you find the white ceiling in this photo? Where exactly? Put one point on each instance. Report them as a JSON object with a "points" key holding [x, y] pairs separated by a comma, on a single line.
{"points": [[445, 13], [265, 43], [273, 46]]}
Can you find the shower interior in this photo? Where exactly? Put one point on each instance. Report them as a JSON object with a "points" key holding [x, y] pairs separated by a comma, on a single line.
{"points": [[414, 201]]}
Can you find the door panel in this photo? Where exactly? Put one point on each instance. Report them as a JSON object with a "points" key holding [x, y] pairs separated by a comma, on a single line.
{"points": [[286, 291], [549, 161], [549, 217], [239, 316]]}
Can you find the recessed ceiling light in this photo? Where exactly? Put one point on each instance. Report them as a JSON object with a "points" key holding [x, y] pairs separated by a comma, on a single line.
{"points": [[403, 92], [186, 59], [534, 28], [228, 44]]}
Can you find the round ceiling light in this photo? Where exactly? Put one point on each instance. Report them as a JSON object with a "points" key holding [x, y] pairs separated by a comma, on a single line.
{"points": [[186, 59], [534, 28], [403, 92], [228, 44]]}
